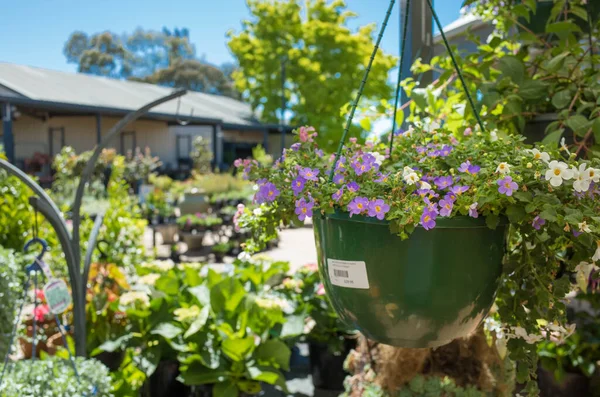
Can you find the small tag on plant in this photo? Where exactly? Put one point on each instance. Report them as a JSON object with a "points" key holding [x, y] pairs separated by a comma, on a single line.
{"points": [[57, 296], [349, 274]]}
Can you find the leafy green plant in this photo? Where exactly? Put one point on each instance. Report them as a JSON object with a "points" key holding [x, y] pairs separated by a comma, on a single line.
{"points": [[54, 377], [201, 155], [198, 222], [11, 268]]}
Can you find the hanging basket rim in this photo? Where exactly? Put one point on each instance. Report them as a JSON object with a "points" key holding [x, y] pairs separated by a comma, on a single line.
{"points": [[455, 222]]}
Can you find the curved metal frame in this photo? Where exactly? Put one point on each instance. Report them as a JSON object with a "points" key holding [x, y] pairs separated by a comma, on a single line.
{"points": [[70, 242]]}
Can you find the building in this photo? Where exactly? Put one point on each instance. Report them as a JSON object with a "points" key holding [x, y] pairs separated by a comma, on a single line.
{"points": [[44, 110]]}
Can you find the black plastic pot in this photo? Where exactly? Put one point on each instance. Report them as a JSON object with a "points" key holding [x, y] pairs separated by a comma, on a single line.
{"points": [[112, 360], [163, 382], [327, 367], [573, 385]]}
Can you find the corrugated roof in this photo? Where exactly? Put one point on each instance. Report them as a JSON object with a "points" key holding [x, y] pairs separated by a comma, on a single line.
{"points": [[51, 86]]}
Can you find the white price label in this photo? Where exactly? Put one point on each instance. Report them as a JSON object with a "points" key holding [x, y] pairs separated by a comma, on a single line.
{"points": [[349, 274]]}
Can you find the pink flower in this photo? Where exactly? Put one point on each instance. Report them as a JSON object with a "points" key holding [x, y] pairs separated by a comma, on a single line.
{"points": [[352, 140], [313, 267], [468, 131], [304, 134], [40, 294], [321, 290], [40, 312]]}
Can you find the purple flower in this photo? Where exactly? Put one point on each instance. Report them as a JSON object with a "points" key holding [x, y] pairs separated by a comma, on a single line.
{"points": [[353, 187], [469, 168], [298, 185], [309, 174], [445, 151], [381, 177], [432, 207], [443, 182], [453, 140], [507, 186], [267, 192], [446, 207], [337, 195], [576, 233], [473, 211], [378, 208], [428, 219], [468, 131], [340, 165], [423, 192], [338, 179], [304, 208], [358, 206], [296, 146], [364, 165], [538, 223], [237, 163], [458, 190], [421, 149], [319, 152], [399, 132]]}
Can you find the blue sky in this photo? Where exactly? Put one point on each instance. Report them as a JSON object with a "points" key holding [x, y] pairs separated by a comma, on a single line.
{"points": [[33, 32]]}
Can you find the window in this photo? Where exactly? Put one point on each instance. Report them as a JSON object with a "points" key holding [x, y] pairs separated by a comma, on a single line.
{"points": [[128, 142], [56, 140], [184, 147]]}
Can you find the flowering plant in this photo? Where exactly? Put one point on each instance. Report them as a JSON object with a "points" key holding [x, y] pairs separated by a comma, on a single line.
{"points": [[548, 198], [198, 222]]}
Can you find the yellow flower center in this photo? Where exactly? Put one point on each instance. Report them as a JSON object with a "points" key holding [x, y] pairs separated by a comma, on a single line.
{"points": [[537, 156], [426, 218], [377, 208], [359, 206], [304, 210], [309, 174], [270, 192], [592, 174], [507, 185], [556, 172]]}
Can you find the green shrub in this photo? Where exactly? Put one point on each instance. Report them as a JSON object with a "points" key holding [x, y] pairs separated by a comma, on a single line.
{"points": [[54, 377], [10, 288]]}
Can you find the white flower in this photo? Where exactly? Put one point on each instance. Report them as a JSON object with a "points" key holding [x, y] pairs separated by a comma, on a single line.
{"points": [[407, 170], [503, 168], [244, 256], [408, 133], [493, 136], [164, 266], [557, 172], [430, 127], [583, 227], [596, 256], [563, 145], [583, 274], [411, 178], [257, 212], [425, 185], [379, 158], [149, 279], [530, 245], [131, 297], [539, 155], [593, 174], [582, 181], [255, 188]]}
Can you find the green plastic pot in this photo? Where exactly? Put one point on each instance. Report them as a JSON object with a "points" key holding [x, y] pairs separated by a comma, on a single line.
{"points": [[421, 292]]}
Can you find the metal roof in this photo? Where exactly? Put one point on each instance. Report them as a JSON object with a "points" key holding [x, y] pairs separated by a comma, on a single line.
{"points": [[33, 86], [459, 26]]}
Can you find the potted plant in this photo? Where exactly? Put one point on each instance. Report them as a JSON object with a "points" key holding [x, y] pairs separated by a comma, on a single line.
{"points": [[434, 197], [47, 334], [220, 250], [161, 215], [54, 377], [193, 227]]}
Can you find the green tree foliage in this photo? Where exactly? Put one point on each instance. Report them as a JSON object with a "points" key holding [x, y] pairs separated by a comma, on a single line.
{"points": [[164, 57], [324, 62]]}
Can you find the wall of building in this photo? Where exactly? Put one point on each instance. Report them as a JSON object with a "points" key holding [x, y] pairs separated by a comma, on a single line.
{"points": [[32, 135]]}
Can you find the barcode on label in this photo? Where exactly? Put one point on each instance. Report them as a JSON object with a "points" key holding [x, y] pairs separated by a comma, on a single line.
{"points": [[340, 273]]}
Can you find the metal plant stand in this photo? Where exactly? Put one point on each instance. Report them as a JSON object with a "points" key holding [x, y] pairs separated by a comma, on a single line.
{"points": [[70, 242]]}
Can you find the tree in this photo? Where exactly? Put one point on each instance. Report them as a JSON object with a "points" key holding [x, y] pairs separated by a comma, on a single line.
{"points": [[160, 57], [324, 62]]}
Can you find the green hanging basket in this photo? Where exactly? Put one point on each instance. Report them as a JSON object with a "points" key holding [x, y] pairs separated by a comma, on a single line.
{"points": [[421, 292]]}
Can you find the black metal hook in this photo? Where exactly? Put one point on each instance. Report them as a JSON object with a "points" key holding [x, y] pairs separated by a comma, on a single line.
{"points": [[182, 122], [35, 266]]}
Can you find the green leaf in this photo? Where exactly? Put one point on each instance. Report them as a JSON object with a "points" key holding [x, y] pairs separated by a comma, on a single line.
{"points": [[578, 123], [201, 293], [556, 63], [112, 345], [549, 214], [399, 118], [365, 123], [166, 330], [533, 89], [562, 28], [525, 197], [197, 374], [492, 221], [249, 386], [552, 139], [267, 375], [198, 323], [596, 129], [515, 213], [225, 389], [274, 352], [513, 68], [169, 284], [227, 295], [419, 97], [237, 349], [293, 326], [562, 99]]}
